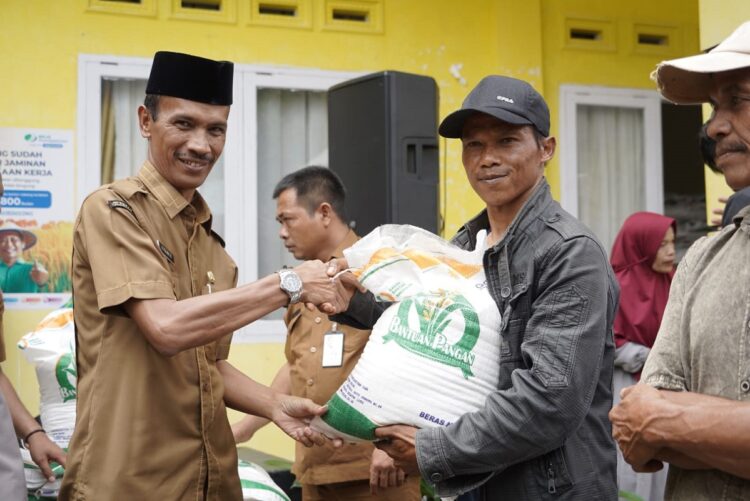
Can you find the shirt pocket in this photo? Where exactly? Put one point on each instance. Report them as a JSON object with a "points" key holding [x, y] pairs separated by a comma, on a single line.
{"points": [[559, 333], [511, 339], [219, 277]]}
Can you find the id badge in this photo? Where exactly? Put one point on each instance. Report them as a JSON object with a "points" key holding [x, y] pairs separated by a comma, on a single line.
{"points": [[333, 348]]}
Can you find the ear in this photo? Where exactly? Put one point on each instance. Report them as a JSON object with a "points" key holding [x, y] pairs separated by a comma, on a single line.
{"points": [[548, 148], [144, 122], [326, 213]]}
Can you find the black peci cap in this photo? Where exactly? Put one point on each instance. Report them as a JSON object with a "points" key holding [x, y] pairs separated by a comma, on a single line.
{"points": [[507, 99], [191, 77]]}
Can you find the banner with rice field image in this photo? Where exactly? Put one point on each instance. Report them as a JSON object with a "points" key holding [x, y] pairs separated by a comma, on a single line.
{"points": [[36, 217]]}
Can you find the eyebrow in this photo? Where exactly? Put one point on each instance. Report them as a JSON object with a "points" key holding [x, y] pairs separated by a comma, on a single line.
{"points": [[191, 118]]}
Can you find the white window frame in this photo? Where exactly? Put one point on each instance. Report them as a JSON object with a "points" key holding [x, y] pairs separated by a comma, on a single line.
{"points": [[240, 153], [571, 96], [254, 78]]}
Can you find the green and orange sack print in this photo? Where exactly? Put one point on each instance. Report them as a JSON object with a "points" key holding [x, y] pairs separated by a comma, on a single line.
{"points": [[50, 347], [434, 353]]}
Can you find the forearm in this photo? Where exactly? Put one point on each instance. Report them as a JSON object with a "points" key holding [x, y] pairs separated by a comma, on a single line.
{"points": [[363, 311], [250, 424], [680, 460], [244, 394], [247, 427], [173, 326], [23, 421], [708, 429]]}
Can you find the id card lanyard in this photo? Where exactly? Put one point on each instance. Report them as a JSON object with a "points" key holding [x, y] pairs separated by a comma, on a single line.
{"points": [[333, 347]]}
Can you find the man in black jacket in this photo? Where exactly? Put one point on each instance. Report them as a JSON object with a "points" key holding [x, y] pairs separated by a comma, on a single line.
{"points": [[544, 434]]}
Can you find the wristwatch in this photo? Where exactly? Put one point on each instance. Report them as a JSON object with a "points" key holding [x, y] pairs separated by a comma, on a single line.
{"points": [[290, 283]]}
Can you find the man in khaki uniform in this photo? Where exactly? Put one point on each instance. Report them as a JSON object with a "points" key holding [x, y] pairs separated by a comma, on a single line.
{"points": [[310, 209], [155, 307]]}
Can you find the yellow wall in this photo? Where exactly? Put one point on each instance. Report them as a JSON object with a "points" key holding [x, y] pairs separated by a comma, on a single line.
{"points": [[619, 65], [718, 18], [41, 40]]}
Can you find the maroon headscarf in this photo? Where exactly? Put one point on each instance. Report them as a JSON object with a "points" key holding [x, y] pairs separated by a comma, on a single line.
{"points": [[643, 291]]}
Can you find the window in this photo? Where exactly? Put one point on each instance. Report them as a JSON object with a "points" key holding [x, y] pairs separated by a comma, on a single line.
{"points": [[360, 16], [292, 133], [285, 13], [129, 7], [611, 162], [223, 11], [271, 106]]}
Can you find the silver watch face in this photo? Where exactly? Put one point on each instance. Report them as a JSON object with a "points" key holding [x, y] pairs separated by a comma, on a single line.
{"points": [[290, 282]]}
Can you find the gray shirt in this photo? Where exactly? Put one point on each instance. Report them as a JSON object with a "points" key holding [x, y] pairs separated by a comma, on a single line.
{"points": [[702, 345]]}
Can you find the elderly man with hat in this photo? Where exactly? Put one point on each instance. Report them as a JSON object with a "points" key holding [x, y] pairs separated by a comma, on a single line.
{"points": [[692, 407], [16, 275], [544, 433], [155, 308]]}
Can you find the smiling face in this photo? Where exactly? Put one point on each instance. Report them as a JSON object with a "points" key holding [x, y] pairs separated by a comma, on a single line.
{"points": [[729, 126], [11, 247], [503, 162], [185, 140]]}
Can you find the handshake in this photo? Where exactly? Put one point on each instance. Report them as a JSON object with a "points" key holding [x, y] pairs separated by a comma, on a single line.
{"points": [[327, 286]]}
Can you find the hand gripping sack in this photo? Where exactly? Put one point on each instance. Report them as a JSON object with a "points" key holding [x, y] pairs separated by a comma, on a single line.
{"points": [[434, 353]]}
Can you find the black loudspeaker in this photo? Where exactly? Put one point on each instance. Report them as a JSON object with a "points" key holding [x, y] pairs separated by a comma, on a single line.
{"points": [[382, 136]]}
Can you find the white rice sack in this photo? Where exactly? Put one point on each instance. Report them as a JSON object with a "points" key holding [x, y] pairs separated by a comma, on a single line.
{"points": [[257, 484], [36, 483], [434, 354], [51, 349]]}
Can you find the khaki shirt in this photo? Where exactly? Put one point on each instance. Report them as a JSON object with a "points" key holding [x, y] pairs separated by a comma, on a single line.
{"points": [[148, 426], [702, 344], [304, 351]]}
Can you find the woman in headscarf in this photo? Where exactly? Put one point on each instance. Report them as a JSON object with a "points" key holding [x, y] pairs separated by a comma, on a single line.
{"points": [[643, 258]]}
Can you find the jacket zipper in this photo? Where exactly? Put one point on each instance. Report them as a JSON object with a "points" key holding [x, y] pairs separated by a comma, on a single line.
{"points": [[551, 479]]}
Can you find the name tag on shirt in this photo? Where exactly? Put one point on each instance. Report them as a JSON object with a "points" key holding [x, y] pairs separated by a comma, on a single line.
{"points": [[333, 349]]}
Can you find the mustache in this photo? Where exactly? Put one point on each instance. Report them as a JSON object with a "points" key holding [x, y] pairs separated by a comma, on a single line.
{"points": [[733, 147], [207, 157], [492, 174]]}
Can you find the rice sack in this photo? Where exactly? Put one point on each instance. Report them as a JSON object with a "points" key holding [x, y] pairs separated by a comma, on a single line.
{"points": [[50, 348], [257, 484], [434, 353]]}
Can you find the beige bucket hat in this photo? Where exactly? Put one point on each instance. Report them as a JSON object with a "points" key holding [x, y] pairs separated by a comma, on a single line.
{"points": [[29, 239], [687, 80]]}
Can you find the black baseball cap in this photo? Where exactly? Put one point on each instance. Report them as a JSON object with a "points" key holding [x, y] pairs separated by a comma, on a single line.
{"points": [[505, 98], [191, 77]]}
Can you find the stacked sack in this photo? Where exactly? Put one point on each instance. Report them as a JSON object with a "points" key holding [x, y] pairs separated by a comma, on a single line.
{"points": [[434, 354], [51, 349], [257, 484]]}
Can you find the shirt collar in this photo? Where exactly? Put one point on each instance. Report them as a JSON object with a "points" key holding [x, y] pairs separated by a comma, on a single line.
{"points": [[530, 210], [170, 198], [742, 217]]}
